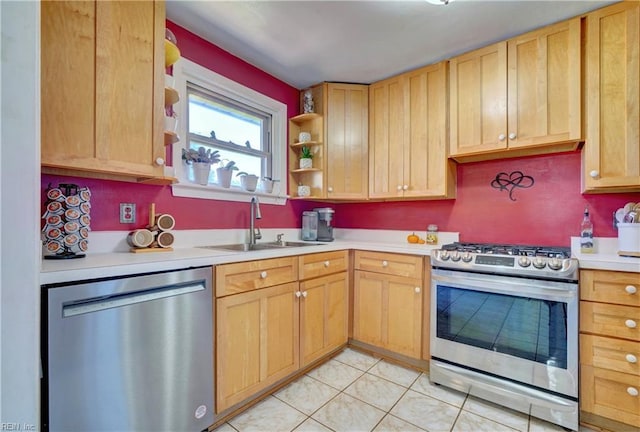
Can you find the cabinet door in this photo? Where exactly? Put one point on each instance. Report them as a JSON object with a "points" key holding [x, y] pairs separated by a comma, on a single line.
{"points": [[545, 86], [324, 316], [102, 90], [427, 171], [612, 153], [388, 312], [478, 100], [347, 140], [257, 336], [610, 394], [386, 138]]}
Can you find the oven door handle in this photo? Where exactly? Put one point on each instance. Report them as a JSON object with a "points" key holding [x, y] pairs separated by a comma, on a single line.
{"points": [[562, 291], [506, 388]]}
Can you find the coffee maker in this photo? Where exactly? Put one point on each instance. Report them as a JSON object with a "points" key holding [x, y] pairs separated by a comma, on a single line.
{"points": [[325, 230]]}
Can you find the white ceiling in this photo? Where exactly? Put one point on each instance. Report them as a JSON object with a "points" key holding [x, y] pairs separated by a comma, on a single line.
{"points": [[305, 42]]}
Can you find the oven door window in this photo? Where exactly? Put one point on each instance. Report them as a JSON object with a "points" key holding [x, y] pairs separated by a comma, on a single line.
{"points": [[527, 328]]}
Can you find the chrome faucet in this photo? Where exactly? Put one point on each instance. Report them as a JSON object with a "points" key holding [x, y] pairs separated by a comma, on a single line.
{"points": [[255, 214]]}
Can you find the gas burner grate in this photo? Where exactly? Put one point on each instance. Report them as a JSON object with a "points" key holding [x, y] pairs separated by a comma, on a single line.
{"points": [[507, 249]]}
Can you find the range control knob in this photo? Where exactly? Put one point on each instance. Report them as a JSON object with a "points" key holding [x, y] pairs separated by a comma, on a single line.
{"points": [[555, 264], [524, 261], [539, 263], [466, 257], [455, 256], [444, 255]]}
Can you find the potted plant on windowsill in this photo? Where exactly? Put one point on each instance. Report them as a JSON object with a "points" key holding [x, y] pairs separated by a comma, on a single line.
{"points": [[224, 173], [266, 184], [201, 160], [249, 182], [306, 157]]}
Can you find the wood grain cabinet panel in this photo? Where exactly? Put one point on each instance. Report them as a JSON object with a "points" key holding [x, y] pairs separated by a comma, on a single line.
{"points": [[347, 132], [103, 87], [324, 312], [247, 276], [408, 155], [610, 349], [322, 264], [257, 335], [518, 97], [393, 264], [611, 154]]}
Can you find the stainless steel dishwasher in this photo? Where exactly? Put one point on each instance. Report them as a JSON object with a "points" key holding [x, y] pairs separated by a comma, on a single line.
{"points": [[129, 354]]}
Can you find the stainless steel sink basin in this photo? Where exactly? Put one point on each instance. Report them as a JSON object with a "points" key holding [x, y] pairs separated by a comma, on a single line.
{"points": [[245, 247]]}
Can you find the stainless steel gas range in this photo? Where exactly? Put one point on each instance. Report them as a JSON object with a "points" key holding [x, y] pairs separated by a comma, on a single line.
{"points": [[504, 326]]}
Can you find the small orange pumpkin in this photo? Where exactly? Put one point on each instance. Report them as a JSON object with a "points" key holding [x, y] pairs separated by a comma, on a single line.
{"points": [[413, 238]]}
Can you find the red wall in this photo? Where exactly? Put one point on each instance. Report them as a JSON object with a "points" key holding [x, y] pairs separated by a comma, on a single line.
{"points": [[549, 212]]}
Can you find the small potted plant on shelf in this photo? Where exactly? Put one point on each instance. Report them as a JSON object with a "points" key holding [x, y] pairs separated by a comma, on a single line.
{"points": [[224, 173], [248, 181], [306, 158], [201, 160]]}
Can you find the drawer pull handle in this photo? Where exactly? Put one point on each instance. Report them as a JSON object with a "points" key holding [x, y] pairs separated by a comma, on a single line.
{"points": [[263, 275], [417, 290], [630, 323], [385, 263], [326, 263], [298, 294], [632, 391], [304, 294], [630, 289], [631, 358]]}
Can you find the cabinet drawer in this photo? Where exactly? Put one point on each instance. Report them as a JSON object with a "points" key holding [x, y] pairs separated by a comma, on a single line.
{"points": [[321, 264], [610, 287], [609, 353], [610, 320], [386, 263], [610, 394], [246, 276]]}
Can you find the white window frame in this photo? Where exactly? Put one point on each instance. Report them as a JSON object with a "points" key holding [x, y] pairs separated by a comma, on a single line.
{"points": [[185, 70]]}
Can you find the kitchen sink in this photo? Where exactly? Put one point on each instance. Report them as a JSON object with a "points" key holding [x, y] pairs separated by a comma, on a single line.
{"points": [[245, 247]]}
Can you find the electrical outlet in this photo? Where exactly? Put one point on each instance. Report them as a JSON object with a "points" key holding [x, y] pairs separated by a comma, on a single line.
{"points": [[127, 213]]}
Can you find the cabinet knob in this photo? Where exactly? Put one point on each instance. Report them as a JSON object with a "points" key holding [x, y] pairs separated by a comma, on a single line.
{"points": [[630, 323], [417, 290], [159, 161], [298, 294], [630, 289], [385, 263], [330, 189], [594, 174], [512, 136], [399, 187], [304, 294], [263, 275], [405, 187], [632, 391], [501, 137], [326, 263], [631, 358]]}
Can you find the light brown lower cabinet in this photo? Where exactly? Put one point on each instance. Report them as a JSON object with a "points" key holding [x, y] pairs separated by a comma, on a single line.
{"points": [[610, 349], [257, 341], [387, 310]]}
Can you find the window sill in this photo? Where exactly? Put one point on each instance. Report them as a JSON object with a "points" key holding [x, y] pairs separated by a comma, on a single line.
{"points": [[213, 192]]}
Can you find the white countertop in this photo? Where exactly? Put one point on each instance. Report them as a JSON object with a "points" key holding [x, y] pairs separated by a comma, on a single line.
{"points": [[121, 262], [110, 256]]}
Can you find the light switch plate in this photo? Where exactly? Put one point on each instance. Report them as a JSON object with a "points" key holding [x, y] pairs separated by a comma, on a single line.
{"points": [[127, 213]]}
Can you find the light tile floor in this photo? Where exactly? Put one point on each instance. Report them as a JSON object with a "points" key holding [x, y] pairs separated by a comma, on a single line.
{"points": [[357, 392]]}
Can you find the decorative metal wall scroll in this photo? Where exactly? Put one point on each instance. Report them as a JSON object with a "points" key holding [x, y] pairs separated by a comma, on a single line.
{"points": [[509, 182]]}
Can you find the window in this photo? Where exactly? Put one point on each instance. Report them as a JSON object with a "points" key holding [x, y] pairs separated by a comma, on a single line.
{"points": [[244, 126]]}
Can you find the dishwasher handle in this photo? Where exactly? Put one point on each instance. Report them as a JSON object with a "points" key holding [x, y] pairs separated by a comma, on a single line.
{"points": [[97, 304]]}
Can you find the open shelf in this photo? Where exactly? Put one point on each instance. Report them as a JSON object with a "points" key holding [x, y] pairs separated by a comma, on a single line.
{"points": [[302, 118], [171, 96], [305, 144], [304, 170]]}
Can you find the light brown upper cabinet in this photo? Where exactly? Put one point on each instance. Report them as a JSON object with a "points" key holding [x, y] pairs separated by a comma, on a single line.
{"points": [[518, 97], [347, 132], [103, 88], [611, 156], [408, 155]]}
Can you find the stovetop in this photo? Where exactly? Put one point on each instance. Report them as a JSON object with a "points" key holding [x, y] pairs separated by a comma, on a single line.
{"points": [[510, 249], [541, 262]]}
